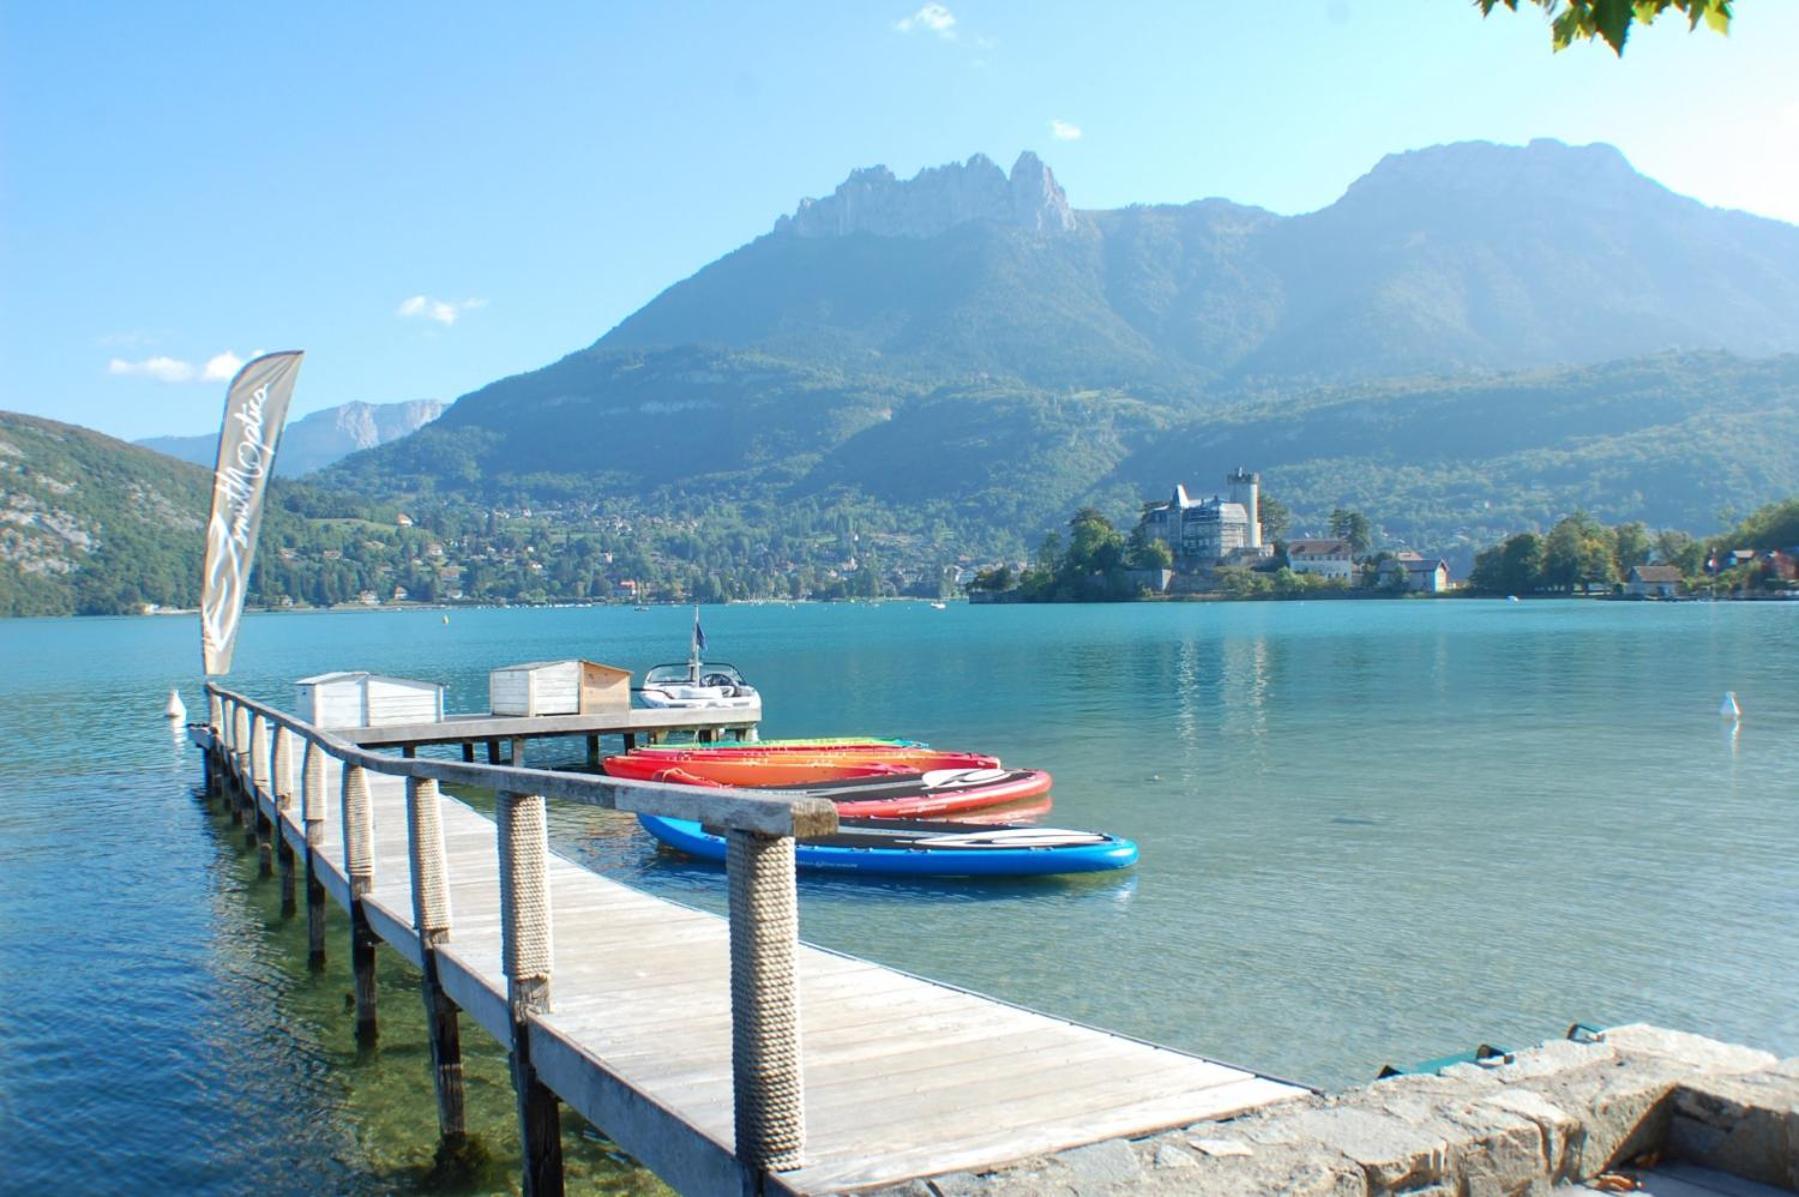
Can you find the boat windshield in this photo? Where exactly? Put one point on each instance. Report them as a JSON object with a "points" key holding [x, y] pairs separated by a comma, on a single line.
{"points": [[676, 674]]}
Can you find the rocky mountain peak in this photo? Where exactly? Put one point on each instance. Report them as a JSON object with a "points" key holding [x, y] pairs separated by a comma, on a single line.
{"points": [[872, 200], [1545, 167], [366, 425]]}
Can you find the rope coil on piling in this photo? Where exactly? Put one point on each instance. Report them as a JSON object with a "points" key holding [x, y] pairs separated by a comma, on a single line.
{"points": [[765, 1043], [240, 733], [259, 753], [430, 881], [282, 767], [312, 786], [525, 938], [359, 829]]}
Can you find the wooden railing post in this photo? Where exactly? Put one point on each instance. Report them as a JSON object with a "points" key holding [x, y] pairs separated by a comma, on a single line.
{"points": [[257, 835], [215, 717], [431, 915], [240, 739], [312, 819], [282, 768], [765, 1019], [215, 723], [359, 868], [227, 728], [240, 768], [525, 952]]}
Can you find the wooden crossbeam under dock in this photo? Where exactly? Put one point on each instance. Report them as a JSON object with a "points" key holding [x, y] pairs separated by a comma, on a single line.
{"points": [[902, 1077], [459, 729]]}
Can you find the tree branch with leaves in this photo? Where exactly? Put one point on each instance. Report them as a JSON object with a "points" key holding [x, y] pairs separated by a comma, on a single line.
{"points": [[1610, 20]]}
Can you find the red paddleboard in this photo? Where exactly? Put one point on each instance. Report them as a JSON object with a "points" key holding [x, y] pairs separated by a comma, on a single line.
{"points": [[750, 772], [1027, 811], [916, 760], [900, 796]]}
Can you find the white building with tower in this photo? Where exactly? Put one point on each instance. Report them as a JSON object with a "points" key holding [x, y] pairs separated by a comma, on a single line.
{"points": [[1202, 532]]}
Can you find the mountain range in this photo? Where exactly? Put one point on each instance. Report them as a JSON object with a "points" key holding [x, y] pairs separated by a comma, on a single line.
{"points": [[1475, 339], [968, 341], [319, 438]]}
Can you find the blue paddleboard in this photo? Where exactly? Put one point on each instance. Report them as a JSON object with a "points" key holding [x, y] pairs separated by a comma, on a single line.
{"points": [[925, 848]]}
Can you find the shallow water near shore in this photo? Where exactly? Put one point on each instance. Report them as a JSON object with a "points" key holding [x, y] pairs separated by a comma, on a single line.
{"points": [[1371, 832]]}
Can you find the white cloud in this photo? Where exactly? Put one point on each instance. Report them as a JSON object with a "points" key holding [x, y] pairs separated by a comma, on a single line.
{"points": [[1064, 131], [162, 369], [221, 367], [444, 311], [932, 18]]}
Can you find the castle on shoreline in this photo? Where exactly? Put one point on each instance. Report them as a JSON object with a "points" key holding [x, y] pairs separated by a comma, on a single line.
{"points": [[1206, 532]]}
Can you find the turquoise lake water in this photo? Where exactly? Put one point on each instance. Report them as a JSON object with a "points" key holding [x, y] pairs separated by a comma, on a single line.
{"points": [[1371, 831]]}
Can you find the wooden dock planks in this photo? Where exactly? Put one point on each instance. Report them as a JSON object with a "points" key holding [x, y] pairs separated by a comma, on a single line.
{"points": [[904, 1077]]}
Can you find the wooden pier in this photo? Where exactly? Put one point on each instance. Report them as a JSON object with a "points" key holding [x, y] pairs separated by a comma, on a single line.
{"points": [[722, 1053]]}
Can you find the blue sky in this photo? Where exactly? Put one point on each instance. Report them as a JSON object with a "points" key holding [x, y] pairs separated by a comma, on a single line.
{"points": [[429, 197]]}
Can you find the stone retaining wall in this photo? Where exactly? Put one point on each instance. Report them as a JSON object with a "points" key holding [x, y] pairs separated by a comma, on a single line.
{"points": [[1562, 1112]]}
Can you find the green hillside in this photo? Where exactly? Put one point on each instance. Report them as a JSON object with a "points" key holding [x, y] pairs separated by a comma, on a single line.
{"points": [[1671, 440], [95, 525]]}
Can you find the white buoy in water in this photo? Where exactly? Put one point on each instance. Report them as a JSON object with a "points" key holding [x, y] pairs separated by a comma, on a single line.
{"points": [[446, 619], [1728, 709], [175, 711]]}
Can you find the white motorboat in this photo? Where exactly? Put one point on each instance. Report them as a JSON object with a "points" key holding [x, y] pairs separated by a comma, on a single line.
{"points": [[691, 686], [698, 685]]}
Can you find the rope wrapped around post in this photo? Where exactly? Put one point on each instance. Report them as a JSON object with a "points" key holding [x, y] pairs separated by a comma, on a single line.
{"points": [[359, 867], [425, 843], [525, 937], [312, 792], [281, 768], [359, 831], [240, 732], [525, 951], [259, 754], [312, 822], [767, 1096]]}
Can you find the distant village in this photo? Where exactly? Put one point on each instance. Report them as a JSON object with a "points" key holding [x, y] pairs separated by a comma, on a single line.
{"points": [[1231, 544]]}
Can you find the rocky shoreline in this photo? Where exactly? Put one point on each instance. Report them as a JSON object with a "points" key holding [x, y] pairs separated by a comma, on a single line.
{"points": [[1561, 1113]]}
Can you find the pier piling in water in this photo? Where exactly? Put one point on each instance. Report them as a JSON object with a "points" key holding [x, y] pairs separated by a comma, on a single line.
{"points": [[525, 943], [240, 750], [261, 827], [431, 915], [312, 823], [282, 768], [359, 868]]}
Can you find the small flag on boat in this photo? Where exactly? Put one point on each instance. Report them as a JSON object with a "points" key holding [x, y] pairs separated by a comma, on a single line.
{"points": [[699, 636]]}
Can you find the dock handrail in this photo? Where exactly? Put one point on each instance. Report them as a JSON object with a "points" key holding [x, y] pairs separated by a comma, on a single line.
{"points": [[759, 827]]}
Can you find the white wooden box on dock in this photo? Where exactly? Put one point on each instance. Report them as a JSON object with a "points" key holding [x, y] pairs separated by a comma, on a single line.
{"points": [[361, 699], [571, 687]]}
